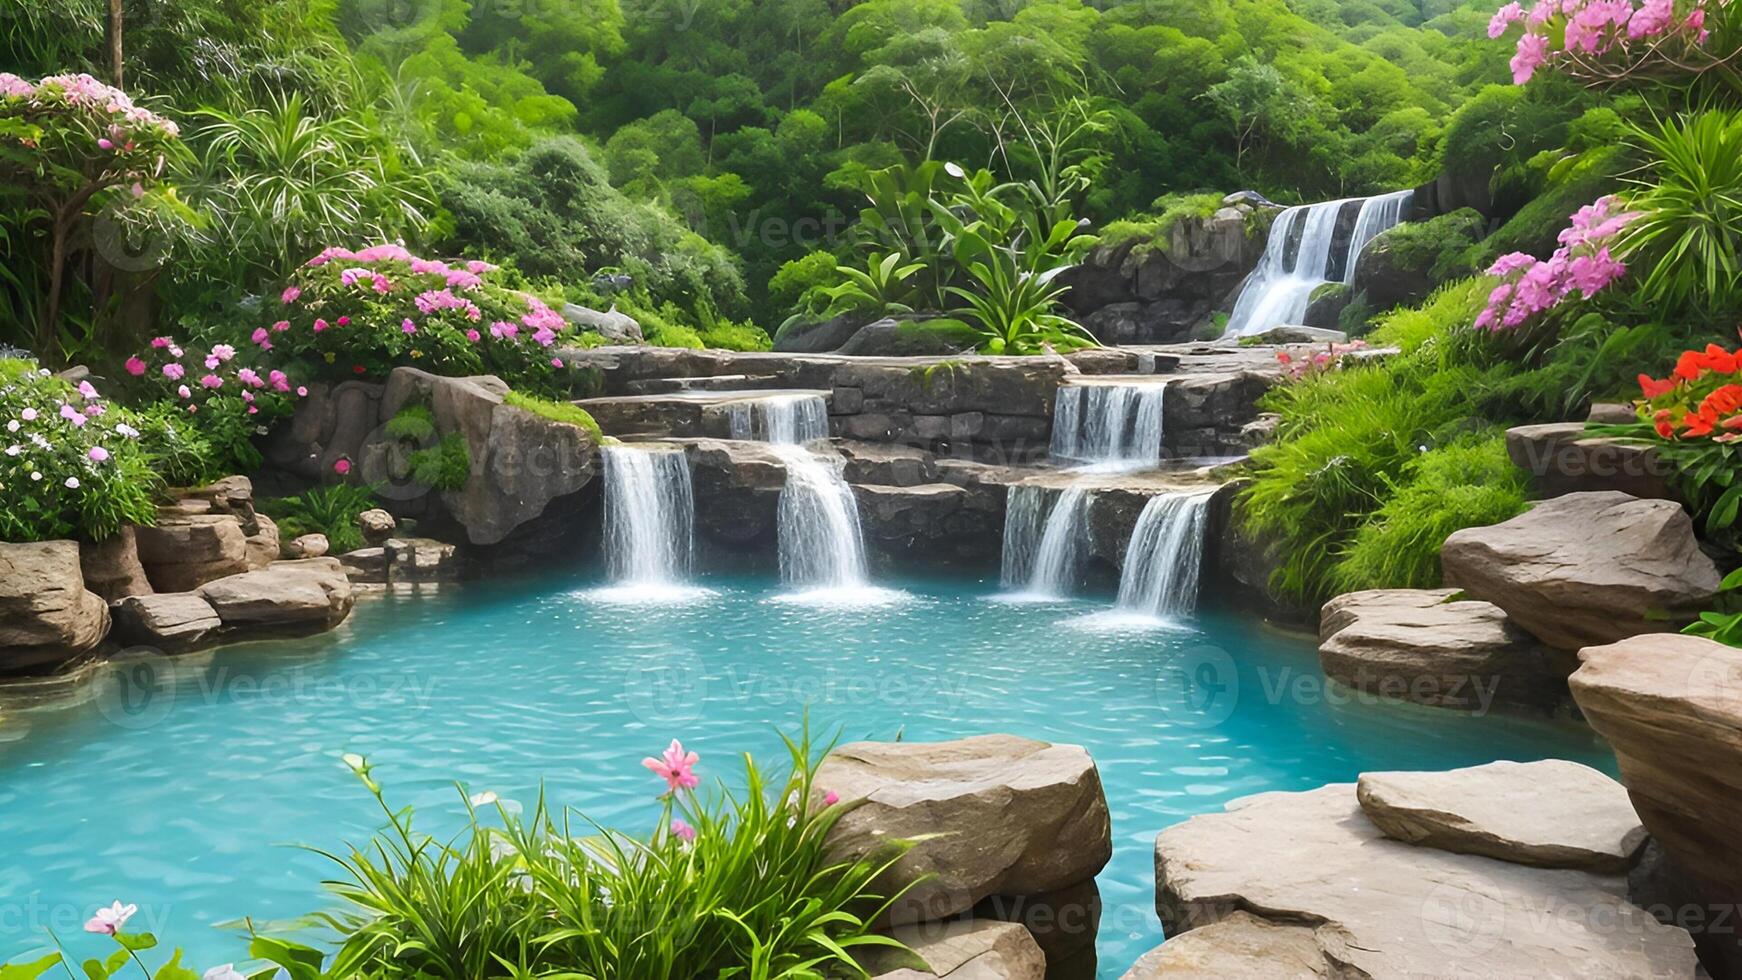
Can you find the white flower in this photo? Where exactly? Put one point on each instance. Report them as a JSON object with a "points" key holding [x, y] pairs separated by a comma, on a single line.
{"points": [[12, 426], [483, 799], [72, 483], [353, 760], [127, 430], [14, 450], [225, 972], [36, 476], [955, 170]]}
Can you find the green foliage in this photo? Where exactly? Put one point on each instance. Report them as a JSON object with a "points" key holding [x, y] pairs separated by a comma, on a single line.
{"points": [[330, 509], [798, 286], [1576, 182], [1468, 483], [66, 472], [1438, 247], [1152, 229], [557, 412], [413, 423], [548, 893], [1723, 624], [883, 286], [1688, 239], [179, 452], [445, 466]]}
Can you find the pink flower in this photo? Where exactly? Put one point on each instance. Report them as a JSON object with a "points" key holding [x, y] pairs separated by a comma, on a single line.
{"points": [[831, 798], [73, 415], [105, 143], [301, 392], [211, 381], [382, 286], [676, 767], [556, 362], [342, 465], [1532, 53], [135, 366], [281, 326], [408, 327], [474, 336], [173, 371], [184, 391], [110, 920], [98, 454], [682, 831], [158, 343], [249, 377], [1653, 17], [344, 321], [320, 325], [290, 294], [279, 380], [87, 390], [223, 352], [262, 338], [1503, 18]]}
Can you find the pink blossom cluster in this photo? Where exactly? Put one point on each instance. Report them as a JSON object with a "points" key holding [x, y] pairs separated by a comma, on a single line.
{"points": [[84, 92], [1592, 27], [436, 300], [1327, 358], [39, 436], [1583, 264], [464, 277], [218, 370]]}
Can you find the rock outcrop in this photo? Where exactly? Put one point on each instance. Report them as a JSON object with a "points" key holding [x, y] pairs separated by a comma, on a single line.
{"points": [[1586, 568], [1239, 947], [112, 568], [172, 622], [1421, 646], [309, 595], [47, 616], [999, 815], [1587, 824], [1561, 458], [182, 553], [1671, 706], [961, 949], [1377, 907]]}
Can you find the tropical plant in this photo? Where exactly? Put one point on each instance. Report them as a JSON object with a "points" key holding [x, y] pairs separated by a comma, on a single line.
{"points": [[330, 509], [445, 466], [1687, 240], [1012, 309], [882, 287]]}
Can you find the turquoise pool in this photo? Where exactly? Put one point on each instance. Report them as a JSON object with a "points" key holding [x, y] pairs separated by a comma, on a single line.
{"points": [[185, 804]]}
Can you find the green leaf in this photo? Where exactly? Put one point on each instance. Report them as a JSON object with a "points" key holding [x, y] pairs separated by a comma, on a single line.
{"points": [[30, 971]]}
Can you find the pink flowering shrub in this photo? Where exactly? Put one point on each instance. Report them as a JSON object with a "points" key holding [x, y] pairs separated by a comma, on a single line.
{"points": [[71, 462], [1584, 264], [229, 395], [362, 313], [71, 147], [1327, 358], [1611, 40]]}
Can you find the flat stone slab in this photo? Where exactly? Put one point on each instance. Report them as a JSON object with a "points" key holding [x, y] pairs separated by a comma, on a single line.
{"points": [[171, 621], [1382, 908], [963, 949], [1240, 947], [993, 815], [1562, 458], [312, 592], [1576, 816], [1418, 645], [1586, 568], [1671, 706]]}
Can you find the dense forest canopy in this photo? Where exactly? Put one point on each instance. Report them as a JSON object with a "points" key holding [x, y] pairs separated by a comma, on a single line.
{"points": [[702, 145]]}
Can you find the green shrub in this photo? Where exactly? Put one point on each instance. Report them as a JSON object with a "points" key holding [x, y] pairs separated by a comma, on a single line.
{"points": [[178, 451], [1469, 483], [797, 287], [447, 465], [557, 412], [1537, 225], [1438, 247], [331, 509], [71, 463], [1687, 243], [727, 335], [413, 423], [1152, 230]]}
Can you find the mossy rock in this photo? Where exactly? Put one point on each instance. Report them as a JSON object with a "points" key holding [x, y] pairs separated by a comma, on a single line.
{"points": [[1537, 226], [1403, 265], [1326, 304]]}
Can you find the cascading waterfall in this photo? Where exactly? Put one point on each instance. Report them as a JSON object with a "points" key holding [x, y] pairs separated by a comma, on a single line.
{"points": [[1109, 425], [1164, 556], [785, 419], [821, 545], [1301, 254], [649, 522], [1043, 547]]}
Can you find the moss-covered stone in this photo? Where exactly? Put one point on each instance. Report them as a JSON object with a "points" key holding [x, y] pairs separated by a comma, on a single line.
{"points": [[1405, 264]]}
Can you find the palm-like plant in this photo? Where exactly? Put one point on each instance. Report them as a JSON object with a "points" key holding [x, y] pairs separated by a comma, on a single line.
{"points": [[883, 286], [1690, 230], [280, 183]]}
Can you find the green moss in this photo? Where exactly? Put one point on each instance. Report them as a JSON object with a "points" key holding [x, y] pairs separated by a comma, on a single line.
{"points": [[445, 466], [1438, 247], [727, 335], [557, 412], [1536, 226], [413, 423], [1152, 230]]}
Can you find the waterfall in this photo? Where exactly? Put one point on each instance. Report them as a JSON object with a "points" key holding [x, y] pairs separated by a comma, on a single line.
{"points": [[786, 419], [1164, 556], [1043, 548], [1301, 254], [649, 523], [1109, 424], [821, 546]]}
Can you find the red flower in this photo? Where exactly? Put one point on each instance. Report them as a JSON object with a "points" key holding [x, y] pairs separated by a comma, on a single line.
{"points": [[357, 369], [1654, 388]]}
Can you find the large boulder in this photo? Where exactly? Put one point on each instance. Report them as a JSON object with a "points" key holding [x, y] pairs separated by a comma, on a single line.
{"points": [[819, 336], [312, 594], [1239, 947], [173, 622], [1402, 265], [1422, 646], [1578, 817], [961, 949], [112, 568], [993, 815], [182, 553], [46, 614], [1382, 908], [1671, 706], [737, 490], [611, 324], [1586, 568]]}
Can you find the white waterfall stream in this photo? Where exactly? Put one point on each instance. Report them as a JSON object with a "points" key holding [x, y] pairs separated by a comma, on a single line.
{"points": [[785, 419], [1301, 254], [1045, 533], [649, 523], [1108, 425], [1163, 559]]}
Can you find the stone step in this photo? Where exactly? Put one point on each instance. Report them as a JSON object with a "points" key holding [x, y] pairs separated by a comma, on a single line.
{"points": [[680, 414], [718, 382]]}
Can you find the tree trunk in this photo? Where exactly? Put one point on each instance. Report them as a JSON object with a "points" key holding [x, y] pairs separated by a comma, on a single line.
{"points": [[115, 41], [57, 266]]}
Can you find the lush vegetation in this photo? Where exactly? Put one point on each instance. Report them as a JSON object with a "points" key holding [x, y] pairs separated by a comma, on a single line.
{"points": [[727, 883], [1617, 258]]}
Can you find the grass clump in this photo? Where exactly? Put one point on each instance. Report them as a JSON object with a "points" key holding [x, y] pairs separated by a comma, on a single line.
{"points": [[557, 412], [331, 510], [413, 423]]}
